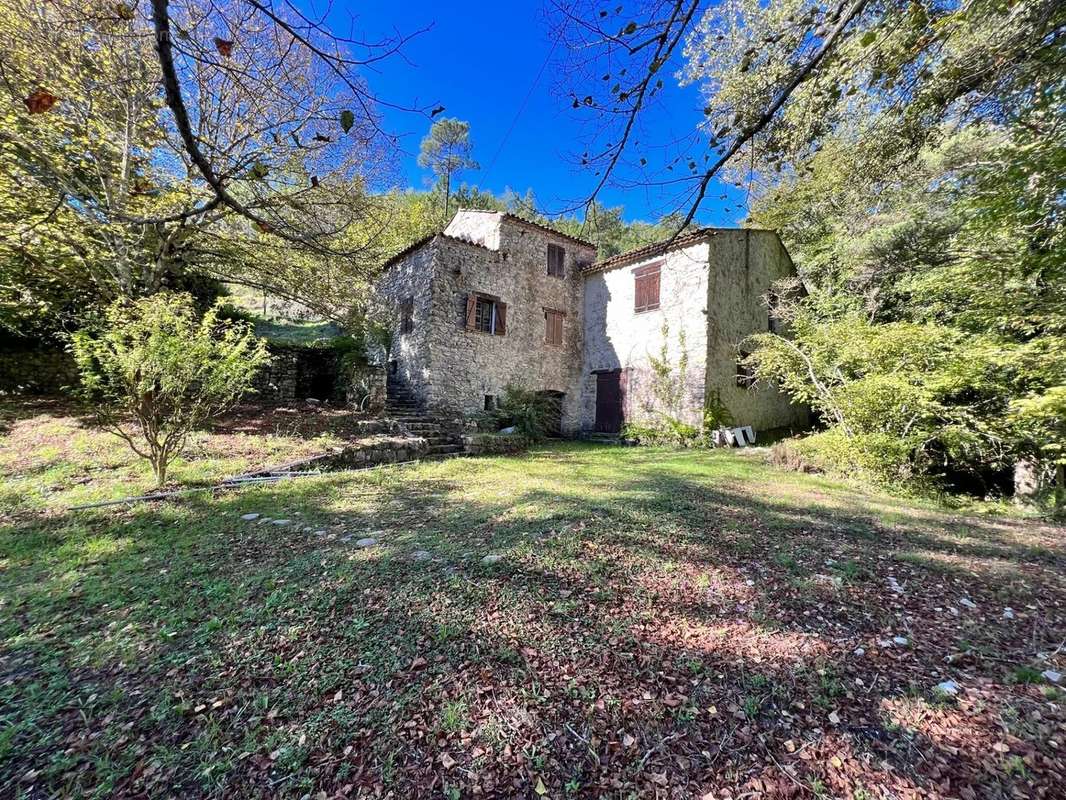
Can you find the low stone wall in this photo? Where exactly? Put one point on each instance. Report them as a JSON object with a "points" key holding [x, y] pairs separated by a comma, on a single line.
{"points": [[379, 450], [367, 389], [480, 444], [37, 371], [298, 373]]}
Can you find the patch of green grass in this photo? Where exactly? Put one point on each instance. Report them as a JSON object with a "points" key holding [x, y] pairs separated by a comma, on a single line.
{"points": [[234, 655], [454, 716], [1025, 674]]}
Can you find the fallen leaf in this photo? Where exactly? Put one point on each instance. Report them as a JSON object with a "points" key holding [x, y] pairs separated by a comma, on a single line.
{"points": [[540, 788], [40, 101], [447, 761]]}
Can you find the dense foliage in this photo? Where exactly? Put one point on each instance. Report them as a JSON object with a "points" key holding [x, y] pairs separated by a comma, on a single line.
{"points": [[918, 180], [155, 369]]}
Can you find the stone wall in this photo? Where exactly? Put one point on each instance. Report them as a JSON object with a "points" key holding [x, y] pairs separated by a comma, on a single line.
{"points": [[451, 368], [483, 444], [477, 226], [411, 277], [366, 388], [276, 381], [714, 291], [298, 373], [743, 264], [617, 337], [37, 371]]}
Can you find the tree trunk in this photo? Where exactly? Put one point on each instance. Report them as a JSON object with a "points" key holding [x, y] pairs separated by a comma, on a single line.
{"points": [[1060, 487], [447, 194]]}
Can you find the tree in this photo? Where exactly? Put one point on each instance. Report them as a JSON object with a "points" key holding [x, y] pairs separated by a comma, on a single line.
{"points": [[446, 151], [154, 371], [147, 139]]}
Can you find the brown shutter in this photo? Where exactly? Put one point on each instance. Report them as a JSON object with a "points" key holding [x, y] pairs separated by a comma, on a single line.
{"points": [[471, 311], [501, 319], [558, 328]]}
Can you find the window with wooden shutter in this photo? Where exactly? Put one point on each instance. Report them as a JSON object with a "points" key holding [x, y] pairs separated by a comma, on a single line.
{"points": [[407, 315], [556, 261], [486, 314], [553, 326], [646, 288]]}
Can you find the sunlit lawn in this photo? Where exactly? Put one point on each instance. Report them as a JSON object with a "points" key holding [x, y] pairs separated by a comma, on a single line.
{"points": [[660, 623]]}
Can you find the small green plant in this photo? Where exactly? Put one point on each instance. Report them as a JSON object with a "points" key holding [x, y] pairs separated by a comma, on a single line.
{"points": [[715, 413], [1025, 675], [1015, 765], [154, 371], [751, 706], [454, 716]]}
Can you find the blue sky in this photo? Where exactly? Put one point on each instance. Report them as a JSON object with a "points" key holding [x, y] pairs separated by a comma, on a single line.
{"points": [[481, 67]]}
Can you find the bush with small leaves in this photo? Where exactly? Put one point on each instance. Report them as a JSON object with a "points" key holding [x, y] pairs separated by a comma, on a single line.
{"points": [[154, 370]]}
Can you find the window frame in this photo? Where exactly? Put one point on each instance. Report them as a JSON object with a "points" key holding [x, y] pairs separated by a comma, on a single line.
{"points": [[407, 316], [642, 282], [497, 325], [555, 270]]}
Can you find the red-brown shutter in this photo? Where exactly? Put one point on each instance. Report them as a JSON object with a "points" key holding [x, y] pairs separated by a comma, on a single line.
{"points": [[501, 319], [646, 287], [471, 311]]}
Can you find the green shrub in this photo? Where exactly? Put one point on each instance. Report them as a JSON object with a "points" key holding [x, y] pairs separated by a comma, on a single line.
{"points": [[878, 458], [155, 370], [532, 413], [665, 431]]}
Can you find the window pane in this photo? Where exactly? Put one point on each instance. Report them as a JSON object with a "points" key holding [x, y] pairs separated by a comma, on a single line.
{"points": [[484, 315]]}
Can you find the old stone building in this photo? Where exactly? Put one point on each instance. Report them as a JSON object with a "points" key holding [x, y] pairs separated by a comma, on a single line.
{"points": [[496, 300]]}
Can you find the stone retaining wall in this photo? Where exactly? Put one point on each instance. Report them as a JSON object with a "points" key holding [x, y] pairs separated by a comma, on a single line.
{"points": [[480, 444], [298, 373]]}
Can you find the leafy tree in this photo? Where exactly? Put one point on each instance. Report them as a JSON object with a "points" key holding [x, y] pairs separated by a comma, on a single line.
{"points": [[154, 371], [246, 130], [446, 150]]}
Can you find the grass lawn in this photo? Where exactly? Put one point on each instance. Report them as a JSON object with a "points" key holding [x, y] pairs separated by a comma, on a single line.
{"points": [[658, 624]]}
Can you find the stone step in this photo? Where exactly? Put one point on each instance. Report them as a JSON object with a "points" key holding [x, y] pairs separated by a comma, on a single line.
{"points": [[444, 449]]}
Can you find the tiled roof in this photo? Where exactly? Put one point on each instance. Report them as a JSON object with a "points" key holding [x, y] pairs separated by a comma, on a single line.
{"points": [[510, 217], [658, 248], [420, 243]]}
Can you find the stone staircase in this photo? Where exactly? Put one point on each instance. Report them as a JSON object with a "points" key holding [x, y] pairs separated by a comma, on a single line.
{"points": [[441, 435]]}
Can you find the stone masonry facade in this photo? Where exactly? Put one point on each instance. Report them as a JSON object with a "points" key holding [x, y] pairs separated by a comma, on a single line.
{"points": [[495, 301]]}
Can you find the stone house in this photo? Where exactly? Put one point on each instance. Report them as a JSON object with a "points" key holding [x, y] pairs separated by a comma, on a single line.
{"points": [[496, 300]]}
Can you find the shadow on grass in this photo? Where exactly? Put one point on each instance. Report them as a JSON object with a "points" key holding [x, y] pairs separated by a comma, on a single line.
{"points": [[637, 592]]}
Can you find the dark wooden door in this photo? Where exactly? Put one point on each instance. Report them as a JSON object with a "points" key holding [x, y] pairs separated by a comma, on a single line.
{"points": [[609, 402]]}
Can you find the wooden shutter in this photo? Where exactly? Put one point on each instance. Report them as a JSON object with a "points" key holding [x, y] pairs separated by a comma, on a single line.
{"points": [[501, 319], [471, 311], [646, 287], [553, 326], [556, 259]]}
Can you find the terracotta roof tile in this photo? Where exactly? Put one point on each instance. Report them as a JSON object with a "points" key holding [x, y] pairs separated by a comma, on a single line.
{"points": [[420, 243]]}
